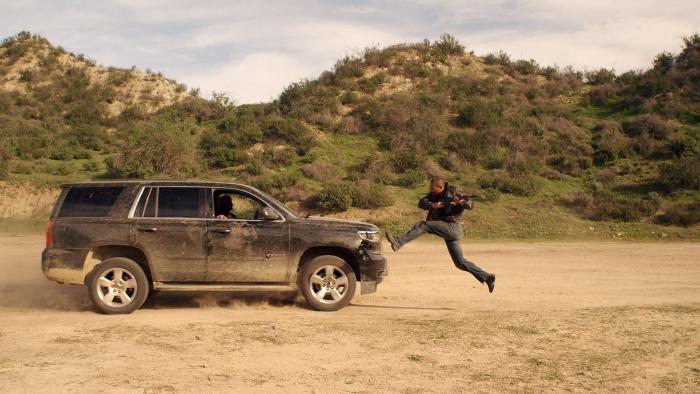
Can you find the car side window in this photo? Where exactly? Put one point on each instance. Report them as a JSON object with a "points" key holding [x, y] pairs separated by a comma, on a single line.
{"points": [[229, 204], [180, 202]]}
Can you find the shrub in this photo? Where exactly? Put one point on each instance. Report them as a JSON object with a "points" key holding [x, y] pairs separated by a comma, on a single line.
{"points": [[22, 168], [276, 184], [349, 97], [410, 178], [5, 158], [27, 75], [334, 197], [600, 76], [650, 124], [525, 67], [610, 143], [255, 166], [415, 68], [466, 145], [377, 57], [579, 200], [92, 137], [371, 84], [605, 204], [490, 195], [605, 176], [683, 146], [608, 205], [499, 57], [61, 168], [366, 194], [446, 46], [525, 185], [118, 77], [321, 171], [164, 146], [349, 125], [495, 158], [302, 99], [61, 151], [680, 215], [450, 161], [348, 67], [223, 156], [280, 157], [406, 159], [291, 131], [684, 172], [374, 168], [479, 113], [133, 113], [602, 95], [568, 164], [82, 154], [91, 166]]}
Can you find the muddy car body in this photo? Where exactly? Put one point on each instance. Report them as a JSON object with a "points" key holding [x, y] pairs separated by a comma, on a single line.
{"points": [[123, 240]]}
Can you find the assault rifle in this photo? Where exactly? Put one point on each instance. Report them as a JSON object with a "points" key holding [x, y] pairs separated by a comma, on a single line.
{"points": [[446, 200]]}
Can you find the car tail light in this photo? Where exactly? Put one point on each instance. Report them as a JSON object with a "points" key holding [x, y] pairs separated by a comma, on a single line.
{"points": [[49, 234]]}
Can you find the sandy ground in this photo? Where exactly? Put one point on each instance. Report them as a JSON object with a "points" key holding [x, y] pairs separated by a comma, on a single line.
{"points": [[564, 317]]}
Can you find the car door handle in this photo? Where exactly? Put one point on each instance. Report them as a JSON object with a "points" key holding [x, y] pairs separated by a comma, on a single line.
{"points": [[221, 231], [147, 229]]}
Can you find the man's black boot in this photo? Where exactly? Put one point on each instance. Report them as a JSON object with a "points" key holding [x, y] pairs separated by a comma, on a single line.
{"points": [[392, 240], [491, 282]]}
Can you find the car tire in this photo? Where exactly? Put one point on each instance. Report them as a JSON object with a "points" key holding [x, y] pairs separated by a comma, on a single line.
{"points": [[118, 286], [327, 283]]}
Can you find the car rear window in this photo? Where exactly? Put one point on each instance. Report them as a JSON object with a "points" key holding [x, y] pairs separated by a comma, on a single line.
{"points": [[88, 202]]}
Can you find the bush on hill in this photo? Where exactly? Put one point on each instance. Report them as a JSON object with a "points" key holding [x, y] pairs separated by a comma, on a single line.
{"points": [[524, 185], [334, 197], [6, 156], [162, 147], [680, 215]]}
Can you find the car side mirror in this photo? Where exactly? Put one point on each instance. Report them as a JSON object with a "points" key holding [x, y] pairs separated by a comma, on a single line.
{"points": [[267, 213]]}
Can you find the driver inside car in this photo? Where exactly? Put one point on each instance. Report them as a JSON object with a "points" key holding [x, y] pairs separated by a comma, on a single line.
{"points": [[225, 208]]}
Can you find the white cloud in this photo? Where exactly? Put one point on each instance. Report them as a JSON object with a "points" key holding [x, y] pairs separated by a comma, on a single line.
{"points": [[255, 78], [254, 49], [612, 44], [285, 53]]}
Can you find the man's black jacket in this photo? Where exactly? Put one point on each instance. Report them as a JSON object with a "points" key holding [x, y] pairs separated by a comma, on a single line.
{"points": [[449, 212]]}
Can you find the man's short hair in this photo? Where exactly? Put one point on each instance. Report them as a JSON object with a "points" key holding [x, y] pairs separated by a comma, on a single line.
{"points": [[437, 180]]}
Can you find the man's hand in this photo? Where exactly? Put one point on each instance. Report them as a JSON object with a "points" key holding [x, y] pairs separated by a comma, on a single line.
{"points": [[437, 205], [456, 200]]}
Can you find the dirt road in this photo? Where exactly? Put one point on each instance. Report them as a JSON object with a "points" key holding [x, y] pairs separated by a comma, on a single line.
{"points": [[564, 317]]}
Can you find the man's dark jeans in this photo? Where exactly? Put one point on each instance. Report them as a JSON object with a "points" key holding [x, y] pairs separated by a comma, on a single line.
{"points": [[451, 233]]}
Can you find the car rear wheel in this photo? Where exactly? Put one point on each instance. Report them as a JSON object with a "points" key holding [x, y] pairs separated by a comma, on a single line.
{"points": [[327, 283], [118, 286]]}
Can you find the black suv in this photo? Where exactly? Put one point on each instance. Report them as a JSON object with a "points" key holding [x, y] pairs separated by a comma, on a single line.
{"points": [[124, 240]]}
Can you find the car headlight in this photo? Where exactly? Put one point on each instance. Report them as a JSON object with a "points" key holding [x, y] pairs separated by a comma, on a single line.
{"points": [[371, 236]]}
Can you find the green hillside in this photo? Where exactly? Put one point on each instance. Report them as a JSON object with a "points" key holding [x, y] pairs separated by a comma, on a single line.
{"points": [[551, 152]]}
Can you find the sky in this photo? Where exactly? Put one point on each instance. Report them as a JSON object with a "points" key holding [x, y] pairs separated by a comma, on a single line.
{"points": [[251, 50]]}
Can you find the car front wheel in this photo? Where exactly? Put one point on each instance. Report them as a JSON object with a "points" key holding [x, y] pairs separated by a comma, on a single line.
{"points": [[118, 286], [327, 283]]}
